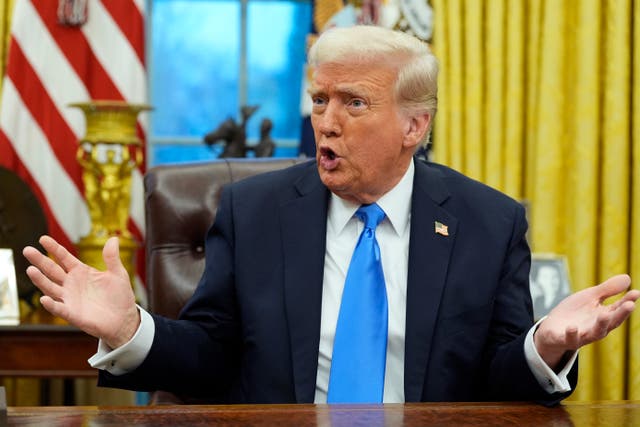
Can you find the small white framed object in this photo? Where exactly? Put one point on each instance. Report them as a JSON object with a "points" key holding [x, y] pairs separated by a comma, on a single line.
{"points": [[549, 282], [9, 306]]}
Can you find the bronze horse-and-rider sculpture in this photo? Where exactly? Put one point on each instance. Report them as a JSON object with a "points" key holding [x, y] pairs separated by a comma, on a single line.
{"points": [[234, 136]]}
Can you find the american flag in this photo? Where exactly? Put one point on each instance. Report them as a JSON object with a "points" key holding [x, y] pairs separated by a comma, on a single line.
{"points": [[441, 229], [63, 52]]}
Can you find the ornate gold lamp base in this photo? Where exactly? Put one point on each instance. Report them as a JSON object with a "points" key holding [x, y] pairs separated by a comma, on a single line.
{"points": [[108, 154]]}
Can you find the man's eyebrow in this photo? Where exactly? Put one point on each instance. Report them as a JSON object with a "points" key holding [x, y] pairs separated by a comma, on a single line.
{"points": [[349, 90], [314, 91]]}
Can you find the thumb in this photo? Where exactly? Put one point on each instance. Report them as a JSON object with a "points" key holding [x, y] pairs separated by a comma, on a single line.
{"points": [[111, 256]]}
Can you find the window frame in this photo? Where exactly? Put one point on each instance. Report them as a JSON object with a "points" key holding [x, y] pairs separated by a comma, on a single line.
{"points": [[243, 83]]}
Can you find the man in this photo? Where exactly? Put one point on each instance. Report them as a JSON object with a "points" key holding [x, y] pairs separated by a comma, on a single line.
{"points": [[261, 324]]}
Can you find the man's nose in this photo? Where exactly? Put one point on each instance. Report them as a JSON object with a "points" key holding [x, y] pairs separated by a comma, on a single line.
{"points": [[328, 122]]}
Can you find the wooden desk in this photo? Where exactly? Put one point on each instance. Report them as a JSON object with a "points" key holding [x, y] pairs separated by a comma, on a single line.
{"points": [[45, 351], [614, 414]]}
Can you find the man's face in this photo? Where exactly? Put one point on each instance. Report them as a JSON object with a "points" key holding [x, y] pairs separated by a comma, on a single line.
{"points": [[362, 147], [549, 278]]}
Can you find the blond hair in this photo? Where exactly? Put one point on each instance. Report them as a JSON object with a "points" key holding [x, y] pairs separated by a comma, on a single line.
{"points": [[416, 85]]}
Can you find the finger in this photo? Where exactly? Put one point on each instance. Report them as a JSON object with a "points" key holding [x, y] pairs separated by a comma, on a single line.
{"points": [[43, 283], [632, 296], [45, 264], [620, 314], [60, 253], [111, 256], [56, 308], [613, 286]]}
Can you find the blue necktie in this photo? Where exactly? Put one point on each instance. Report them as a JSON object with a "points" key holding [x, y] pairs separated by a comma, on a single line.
{"points": [[360, 344]]}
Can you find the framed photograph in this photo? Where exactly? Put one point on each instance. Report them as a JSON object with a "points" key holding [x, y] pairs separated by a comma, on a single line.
{"points": [[9, 307], [549, 282]]}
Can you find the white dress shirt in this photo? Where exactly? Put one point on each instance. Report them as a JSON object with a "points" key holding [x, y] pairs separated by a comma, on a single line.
{"points": [[343, 230]]}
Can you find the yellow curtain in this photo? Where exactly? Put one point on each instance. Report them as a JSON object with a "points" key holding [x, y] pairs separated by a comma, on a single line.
{"points": [[541, 99], [634, 328]]}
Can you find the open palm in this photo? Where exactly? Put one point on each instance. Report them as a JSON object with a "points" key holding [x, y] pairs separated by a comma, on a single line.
{"points": [[583, 318], [101, 303]]}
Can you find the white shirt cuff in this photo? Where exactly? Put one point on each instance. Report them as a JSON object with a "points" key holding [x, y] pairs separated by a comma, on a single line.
{"points": [[548, 380], [129, 356]]}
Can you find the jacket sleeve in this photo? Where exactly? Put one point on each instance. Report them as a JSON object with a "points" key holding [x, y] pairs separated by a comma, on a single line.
{"points": [[509, 376], [197, 354]]}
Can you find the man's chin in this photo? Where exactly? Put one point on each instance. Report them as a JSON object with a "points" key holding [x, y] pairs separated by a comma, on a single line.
{"points": [[333, 180]]}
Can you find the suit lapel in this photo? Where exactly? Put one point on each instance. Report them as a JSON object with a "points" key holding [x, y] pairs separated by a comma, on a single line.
{"points": [[304, 234], [429, 254]]}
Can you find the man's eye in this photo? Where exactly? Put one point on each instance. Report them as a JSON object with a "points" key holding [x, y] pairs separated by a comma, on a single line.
{"points": [[318, 101], [357, 103]]}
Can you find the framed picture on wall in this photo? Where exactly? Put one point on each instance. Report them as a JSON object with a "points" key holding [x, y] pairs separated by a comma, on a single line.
{"points": [[9, 307], [549, 282]]}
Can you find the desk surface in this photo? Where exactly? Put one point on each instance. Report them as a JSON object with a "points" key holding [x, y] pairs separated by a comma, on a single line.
{"points": [[615, 414]]}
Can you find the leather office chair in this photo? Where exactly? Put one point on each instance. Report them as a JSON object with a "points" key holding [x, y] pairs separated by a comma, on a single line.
{"points": [[180, 205]]}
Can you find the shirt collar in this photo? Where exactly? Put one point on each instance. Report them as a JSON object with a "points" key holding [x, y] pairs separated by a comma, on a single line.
{"points": [[396, 204]]}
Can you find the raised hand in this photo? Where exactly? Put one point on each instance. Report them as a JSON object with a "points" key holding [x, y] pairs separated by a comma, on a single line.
{"points": [[582, 318], [101, 303]]}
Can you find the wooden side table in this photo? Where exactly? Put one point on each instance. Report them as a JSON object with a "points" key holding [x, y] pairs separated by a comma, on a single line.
{"points": [[46, 350]]}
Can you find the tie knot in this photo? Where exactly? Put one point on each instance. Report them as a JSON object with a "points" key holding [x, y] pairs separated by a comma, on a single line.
{"points": [[371, 215]]}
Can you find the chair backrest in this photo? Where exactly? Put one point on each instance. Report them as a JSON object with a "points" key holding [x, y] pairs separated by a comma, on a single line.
{"points": [[180, 204]]}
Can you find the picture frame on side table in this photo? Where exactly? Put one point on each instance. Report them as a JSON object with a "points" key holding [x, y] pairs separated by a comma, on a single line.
{"points": [[9, 305], [549, 282]]}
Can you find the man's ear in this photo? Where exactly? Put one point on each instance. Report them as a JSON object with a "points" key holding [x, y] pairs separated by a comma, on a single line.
{"points": [[416, 129]]}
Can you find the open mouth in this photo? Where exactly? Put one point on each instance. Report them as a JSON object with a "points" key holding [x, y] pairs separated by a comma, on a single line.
{"points": [[328, 153], [328, 159]]}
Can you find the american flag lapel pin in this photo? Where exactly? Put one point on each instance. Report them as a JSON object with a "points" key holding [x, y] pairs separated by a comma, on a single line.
{"points": [[441, 229]]}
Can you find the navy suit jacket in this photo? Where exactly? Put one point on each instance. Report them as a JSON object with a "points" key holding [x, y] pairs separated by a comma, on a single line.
{"points": [[251, 331]]}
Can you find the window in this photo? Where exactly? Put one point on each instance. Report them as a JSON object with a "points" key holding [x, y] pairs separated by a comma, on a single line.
{"points": [[210, 57]]}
